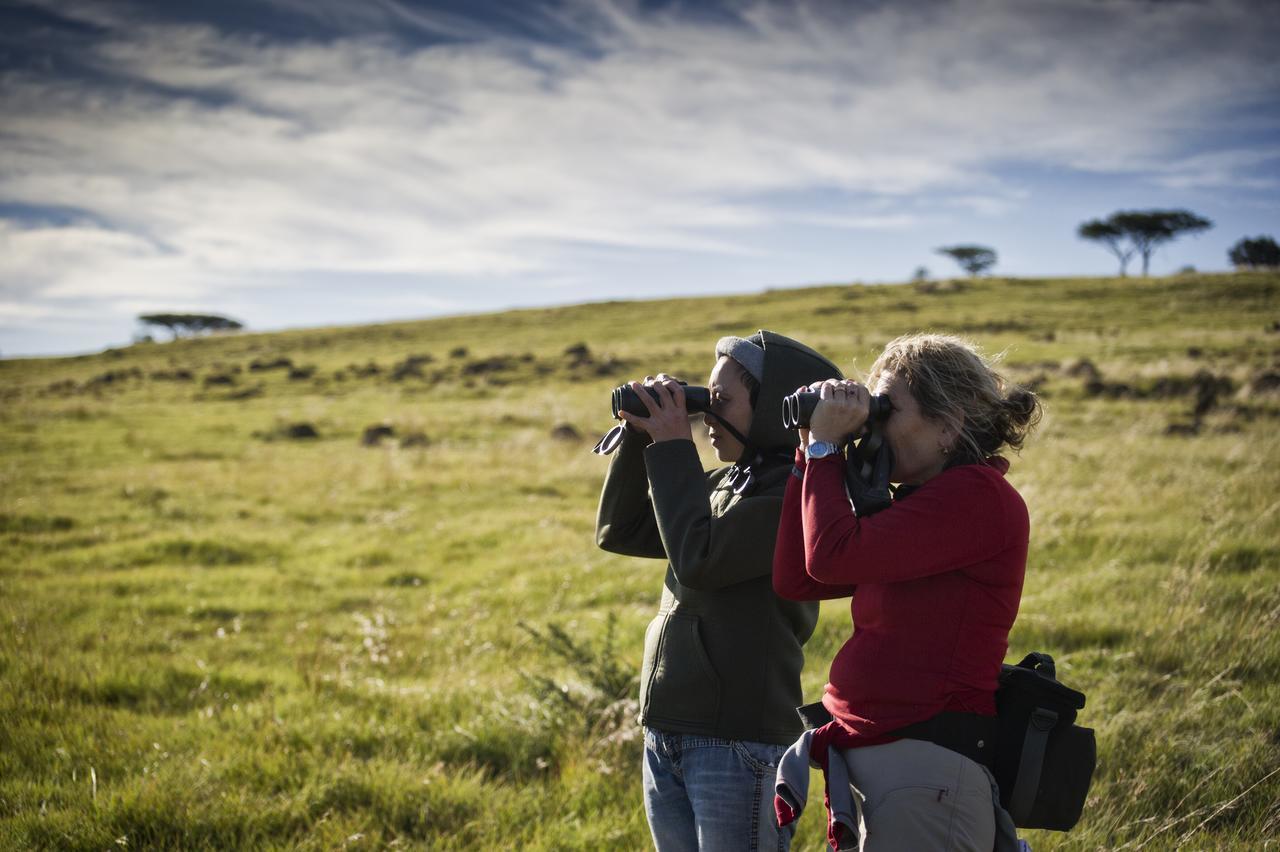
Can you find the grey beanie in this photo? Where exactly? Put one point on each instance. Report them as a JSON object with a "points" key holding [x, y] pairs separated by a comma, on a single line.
{"points": [[745, 352]]}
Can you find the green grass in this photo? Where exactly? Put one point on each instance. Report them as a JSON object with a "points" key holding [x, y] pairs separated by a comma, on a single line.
{"points": [[215, 636]]}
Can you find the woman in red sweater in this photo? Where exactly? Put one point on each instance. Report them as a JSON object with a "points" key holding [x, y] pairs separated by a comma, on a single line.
{"points": [[935, 580]]}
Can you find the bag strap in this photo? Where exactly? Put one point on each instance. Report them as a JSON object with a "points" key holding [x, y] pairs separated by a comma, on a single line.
{"points": [[1031, 764], [969, 734]]}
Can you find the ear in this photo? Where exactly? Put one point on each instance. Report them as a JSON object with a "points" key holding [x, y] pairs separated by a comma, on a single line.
{"points": [[952, 425]]}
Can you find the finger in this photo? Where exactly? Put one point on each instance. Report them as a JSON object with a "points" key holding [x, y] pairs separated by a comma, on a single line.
{"points": [[677, 393], [652, 405], [828, 389], [666, 399], [638, 422]]}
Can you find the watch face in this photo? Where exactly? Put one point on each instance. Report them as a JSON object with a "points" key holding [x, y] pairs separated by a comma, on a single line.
{"points": [[820, 449]]}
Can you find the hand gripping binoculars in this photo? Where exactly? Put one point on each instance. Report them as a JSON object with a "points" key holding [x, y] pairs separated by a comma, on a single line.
{"points": [[696, 400], [797, 409]]}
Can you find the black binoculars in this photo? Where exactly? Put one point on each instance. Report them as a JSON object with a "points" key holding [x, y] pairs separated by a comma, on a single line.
{"points": [[797, 409], [696, 400]]}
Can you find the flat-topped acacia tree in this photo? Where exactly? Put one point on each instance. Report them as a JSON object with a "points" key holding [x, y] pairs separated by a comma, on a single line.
{"points": [[190, 325], [1129, 232], [972, 259]]}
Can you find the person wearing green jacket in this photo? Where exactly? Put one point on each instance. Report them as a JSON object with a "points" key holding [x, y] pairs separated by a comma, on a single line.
{"points": [[721, 674]]}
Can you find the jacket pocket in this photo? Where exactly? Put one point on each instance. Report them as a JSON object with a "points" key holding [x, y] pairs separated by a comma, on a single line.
{"points": [[678, 681]]}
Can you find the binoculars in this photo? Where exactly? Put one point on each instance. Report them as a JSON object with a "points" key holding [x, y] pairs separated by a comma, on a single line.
{"points": [[696, 400], [797, 409]]}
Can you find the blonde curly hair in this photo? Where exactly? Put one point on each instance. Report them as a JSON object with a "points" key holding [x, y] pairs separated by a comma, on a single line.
{"points": [[954, 383]]}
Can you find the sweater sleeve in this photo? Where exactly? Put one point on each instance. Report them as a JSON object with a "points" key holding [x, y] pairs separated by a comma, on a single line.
{"points": [[790, 578], [707, 552], [624, 520], [954, 520]]}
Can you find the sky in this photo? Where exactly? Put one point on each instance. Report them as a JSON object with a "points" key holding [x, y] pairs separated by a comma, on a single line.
{"points": [[320, 162]]}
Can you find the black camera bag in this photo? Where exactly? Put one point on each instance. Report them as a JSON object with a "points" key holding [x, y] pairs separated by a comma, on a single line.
{"points": [[1044, 762]]}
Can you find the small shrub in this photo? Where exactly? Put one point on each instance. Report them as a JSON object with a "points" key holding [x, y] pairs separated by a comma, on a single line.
{"points": [[176, 375], [415, 439], [216, 379], [496, 364], [259, 365], [1263, 383], [566, 432], [407, 579], [410, 367], [246, 393], [374, 435], [1082, 369], [35, 523], [297, 431], [195, 551], [1243, 559], [300, 431], [600, 702], [364, 371]]}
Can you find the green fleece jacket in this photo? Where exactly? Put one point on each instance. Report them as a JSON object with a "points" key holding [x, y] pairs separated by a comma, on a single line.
{"points": [[724, 654]]}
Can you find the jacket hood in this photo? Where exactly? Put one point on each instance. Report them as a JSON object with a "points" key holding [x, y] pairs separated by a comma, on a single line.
{"points": [[788, 364]]}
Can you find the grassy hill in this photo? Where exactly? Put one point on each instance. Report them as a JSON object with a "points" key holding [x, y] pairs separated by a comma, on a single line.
{"points": [[231, 616]]}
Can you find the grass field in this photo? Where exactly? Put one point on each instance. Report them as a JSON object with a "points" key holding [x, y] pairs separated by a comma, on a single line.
{"points": [[219, 632]]}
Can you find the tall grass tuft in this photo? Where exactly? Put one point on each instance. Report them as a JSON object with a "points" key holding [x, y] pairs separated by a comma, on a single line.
{"points": [[598, 701]]}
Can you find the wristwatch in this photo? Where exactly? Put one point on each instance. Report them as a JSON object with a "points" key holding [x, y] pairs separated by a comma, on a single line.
{"points": [[820, 450]]}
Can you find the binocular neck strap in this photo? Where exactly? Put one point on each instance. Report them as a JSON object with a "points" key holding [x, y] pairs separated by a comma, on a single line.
{"points": [[748, 451], [742, 476], [867, 471], [611, 440]]}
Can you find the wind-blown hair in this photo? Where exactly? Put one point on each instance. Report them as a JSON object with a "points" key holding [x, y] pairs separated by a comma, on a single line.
{"points": [[954, 383]]}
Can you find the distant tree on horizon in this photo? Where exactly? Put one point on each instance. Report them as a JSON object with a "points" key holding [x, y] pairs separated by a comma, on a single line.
{"points": [[1259, 252], [972, 258], [1129, 232], [1110, 235], [190, 325]]}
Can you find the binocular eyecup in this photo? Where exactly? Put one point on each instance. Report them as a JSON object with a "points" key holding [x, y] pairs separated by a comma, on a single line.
{"points": [[797, 409], [696, 400]]}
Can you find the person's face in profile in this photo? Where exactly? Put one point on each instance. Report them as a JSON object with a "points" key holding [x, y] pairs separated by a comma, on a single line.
{"points": [[730, 401], [916, 440]]}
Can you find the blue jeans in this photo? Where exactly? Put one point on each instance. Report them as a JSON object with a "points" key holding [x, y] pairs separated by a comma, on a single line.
{"points": [[707, 794]]}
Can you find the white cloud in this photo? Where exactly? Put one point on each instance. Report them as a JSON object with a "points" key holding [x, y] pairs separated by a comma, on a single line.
{"points": [[890, 222], [494, 157]]}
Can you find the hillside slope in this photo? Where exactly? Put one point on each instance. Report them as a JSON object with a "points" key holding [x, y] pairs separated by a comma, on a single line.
{"points": [[234, 613]]}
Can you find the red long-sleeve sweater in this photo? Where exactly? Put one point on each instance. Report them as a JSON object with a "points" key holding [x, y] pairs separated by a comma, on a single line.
{"points": [[935, 579]]}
